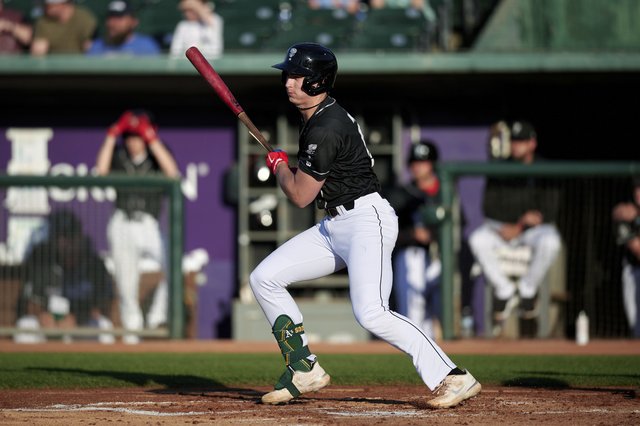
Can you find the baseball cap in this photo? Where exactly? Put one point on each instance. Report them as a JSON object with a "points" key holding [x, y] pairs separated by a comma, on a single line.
{"points": [[521, 130], [119, 8], [424, 150], [64, 222]]}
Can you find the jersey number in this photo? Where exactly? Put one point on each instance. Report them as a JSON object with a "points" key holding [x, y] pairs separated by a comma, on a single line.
{"points": [[362, 138]]}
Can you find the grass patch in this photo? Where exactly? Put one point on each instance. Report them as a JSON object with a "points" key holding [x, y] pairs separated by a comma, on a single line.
{"points": [[198, 370]]}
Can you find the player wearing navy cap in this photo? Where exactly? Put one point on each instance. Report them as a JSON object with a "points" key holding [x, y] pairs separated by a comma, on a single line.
{"points": [[416, 263]]}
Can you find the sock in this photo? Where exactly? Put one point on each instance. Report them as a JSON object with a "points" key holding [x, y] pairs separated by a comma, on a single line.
{"points": [[457, 372], [290, 338]]}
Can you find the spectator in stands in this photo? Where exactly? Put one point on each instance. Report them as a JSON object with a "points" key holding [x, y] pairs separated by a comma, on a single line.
{"points": [[15, 32], [626, 216], [519, 212], [351, 6], [133, 230], [416, 266], [121, 36], [423, 6], [67, 284], [201, 27], [64, 28]]}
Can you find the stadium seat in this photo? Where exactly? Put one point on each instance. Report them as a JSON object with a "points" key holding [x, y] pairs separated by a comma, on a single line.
{"points": [[98, 7], [391, 29], [158, 18], [331, 28], [247, 27], [286, 37], [29, 9]]}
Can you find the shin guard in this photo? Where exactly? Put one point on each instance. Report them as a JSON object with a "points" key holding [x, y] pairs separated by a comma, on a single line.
{"points": [[292, 344]]}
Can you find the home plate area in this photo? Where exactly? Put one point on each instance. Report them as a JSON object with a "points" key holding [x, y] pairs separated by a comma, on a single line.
{"points": [[342, 405]]}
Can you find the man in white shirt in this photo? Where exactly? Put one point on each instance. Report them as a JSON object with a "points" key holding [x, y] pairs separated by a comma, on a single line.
{"points": [[201, 27]]}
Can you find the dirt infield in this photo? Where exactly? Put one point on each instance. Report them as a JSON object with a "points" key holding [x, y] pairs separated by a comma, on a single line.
{"points": [[455, 347], [334, 404]]}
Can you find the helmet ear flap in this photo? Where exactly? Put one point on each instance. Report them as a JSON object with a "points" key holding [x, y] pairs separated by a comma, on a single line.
{"points": [[318, 83], [313, 86]]}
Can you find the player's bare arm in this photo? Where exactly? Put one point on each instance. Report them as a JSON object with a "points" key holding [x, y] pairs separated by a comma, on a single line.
{"points": [[625, 212], [634, 247], [143, 126], [165, 159], [532, 218], [39, 47], [509, 231], [299, 187], [105, 154]]}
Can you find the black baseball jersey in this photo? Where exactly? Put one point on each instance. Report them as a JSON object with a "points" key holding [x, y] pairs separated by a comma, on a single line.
{"points": [[140, 199], [332, 147], [506, 199]]}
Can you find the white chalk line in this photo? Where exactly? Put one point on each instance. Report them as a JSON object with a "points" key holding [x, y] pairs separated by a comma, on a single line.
{"points": [[439, 413], [113, 410], [374, 413], [112, 407], [116, 407]]}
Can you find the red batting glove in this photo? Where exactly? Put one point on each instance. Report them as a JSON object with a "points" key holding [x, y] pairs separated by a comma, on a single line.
{"points": [[122, 125], [146, 130], [276, 157]]}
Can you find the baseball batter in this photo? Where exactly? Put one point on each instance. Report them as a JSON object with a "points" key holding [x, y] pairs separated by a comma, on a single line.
{"points": [[359, 232], [133, 229]]}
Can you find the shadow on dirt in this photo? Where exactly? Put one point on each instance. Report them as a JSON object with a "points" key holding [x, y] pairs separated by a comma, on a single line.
{"points": [[545, 379], [214, 393], [171, 381], [537, 382], [549, 383]]}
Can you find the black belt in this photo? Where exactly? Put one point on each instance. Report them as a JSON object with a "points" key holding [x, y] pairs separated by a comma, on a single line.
{"points": [[333, 211]]}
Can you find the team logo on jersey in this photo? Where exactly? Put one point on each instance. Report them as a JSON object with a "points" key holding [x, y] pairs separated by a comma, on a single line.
{"points": [[311, 149]]}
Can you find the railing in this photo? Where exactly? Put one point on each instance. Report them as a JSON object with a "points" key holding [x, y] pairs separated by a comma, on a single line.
{"points": [[452, 172], [171, 189]]}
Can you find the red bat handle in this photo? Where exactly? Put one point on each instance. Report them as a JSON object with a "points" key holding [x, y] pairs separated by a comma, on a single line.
{"points": [[211, 76], [206, 70]]}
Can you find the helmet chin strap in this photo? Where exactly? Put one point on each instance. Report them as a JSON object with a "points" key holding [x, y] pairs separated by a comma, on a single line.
{"points": [[304, 109], [313, 106]]}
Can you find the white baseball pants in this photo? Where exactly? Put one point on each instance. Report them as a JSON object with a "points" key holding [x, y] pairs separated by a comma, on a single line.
{"points": [[130, 240], [545, 242], [417, 286], [361, 239], [631, 296]]}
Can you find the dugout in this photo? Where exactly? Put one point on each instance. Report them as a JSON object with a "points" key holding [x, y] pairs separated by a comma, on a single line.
{"points": [[573, 84]]}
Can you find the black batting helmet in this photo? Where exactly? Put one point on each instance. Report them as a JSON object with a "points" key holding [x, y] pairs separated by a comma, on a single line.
{"points": [[424, 150], [315, 62]]}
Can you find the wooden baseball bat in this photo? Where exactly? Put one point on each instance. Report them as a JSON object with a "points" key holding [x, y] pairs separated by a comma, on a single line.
{"points": [[215, 81]]}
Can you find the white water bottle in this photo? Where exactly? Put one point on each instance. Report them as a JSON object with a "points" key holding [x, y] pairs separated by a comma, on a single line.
{"points": [[582, 329]]}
